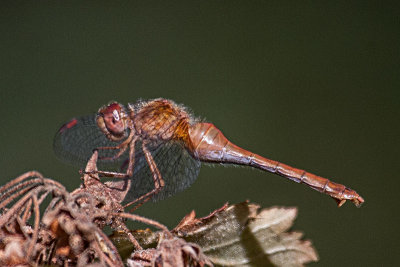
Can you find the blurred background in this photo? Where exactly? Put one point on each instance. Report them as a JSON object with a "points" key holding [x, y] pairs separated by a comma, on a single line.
{"points": [[314, 85]]}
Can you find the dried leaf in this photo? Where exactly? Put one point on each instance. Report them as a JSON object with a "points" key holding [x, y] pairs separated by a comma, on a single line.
{"points": [[241, 235]]}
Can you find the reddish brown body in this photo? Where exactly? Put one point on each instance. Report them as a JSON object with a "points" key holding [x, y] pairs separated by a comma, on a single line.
{"points": [[211, 145], [162, 121]]}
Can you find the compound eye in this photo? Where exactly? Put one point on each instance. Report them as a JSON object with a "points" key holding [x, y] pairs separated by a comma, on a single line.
{"points": [[111, 120], [116, 115]]}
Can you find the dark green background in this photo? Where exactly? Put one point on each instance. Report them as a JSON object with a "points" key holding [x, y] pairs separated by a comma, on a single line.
{"points": [[312, 84]]}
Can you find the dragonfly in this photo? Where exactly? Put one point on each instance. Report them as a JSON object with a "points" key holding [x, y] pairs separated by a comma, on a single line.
{"points": [[159, 146]]}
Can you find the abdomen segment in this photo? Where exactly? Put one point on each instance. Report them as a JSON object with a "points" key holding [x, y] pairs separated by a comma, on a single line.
{"points": [[208, 144]]}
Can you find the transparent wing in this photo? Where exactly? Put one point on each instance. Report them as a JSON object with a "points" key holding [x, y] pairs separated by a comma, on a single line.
{"points": [[75, 141], [177, 167]]}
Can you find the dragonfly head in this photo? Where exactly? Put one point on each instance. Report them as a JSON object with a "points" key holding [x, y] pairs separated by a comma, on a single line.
{"points": [[112, 121]]}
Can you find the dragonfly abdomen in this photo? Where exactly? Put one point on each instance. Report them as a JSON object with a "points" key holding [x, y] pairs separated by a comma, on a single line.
{"points": [[210, 145]]}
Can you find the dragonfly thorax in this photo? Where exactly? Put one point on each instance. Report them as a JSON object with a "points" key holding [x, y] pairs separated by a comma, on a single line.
{"points": [[161, 119]]}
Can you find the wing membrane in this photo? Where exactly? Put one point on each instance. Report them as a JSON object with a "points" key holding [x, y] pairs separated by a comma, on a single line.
{"points": [[75, 141], [177, 167]]}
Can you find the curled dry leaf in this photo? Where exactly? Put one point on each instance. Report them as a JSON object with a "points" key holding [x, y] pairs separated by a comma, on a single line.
{"points": [[240, 235], [236, 235]]}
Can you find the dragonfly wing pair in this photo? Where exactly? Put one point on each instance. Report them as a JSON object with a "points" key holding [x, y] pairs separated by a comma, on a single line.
{"points": [[75, 141]]}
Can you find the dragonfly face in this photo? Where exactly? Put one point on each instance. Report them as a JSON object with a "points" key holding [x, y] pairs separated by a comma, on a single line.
{"points": [[112, 120]]}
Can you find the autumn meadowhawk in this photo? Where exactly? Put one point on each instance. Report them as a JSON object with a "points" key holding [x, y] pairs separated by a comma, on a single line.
{"points": [[159, 146]]}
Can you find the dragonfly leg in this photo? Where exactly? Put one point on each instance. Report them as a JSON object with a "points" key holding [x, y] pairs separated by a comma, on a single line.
{"points": [[131, 164], [117, 155], [157, 178], [121, 147], [108, 174]]}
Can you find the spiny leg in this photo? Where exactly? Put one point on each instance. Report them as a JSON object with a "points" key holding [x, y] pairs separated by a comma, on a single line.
{"points": [[131, 160], [157, 178], [129, 170], [121, 147]]}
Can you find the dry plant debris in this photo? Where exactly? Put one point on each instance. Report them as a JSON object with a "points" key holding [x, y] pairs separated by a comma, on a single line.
{"points": [[238, 235], [69, 230]]}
